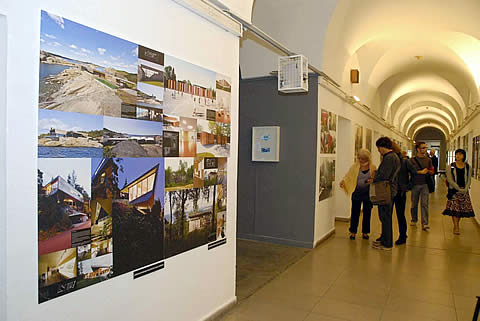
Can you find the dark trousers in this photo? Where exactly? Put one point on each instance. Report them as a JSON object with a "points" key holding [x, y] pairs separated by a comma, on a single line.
{"points": [[355, 217], [385, 214], [399, 201]]}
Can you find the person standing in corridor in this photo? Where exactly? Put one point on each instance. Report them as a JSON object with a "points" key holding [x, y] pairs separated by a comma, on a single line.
{"points": [[434, 159], [459, 178], [400, 200], [387, 171], [422, 166]]}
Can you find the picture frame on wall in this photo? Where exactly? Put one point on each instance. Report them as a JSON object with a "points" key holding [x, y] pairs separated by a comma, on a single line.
{"points": [[266, 144]]}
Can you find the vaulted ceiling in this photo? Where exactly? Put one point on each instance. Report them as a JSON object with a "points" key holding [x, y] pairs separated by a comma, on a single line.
{"points": [[419, 61]]}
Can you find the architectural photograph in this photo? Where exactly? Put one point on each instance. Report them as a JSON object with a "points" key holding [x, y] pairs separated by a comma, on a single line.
{"points": [[138, 224], [189, 89], [179, 173], [213, 138], [223, 99], [57, 273], [132, 138], [328, 133], [69, 135], [63, 202], [368, 139], [327, 178], [358, 132], [84, 70], [189, 219]]}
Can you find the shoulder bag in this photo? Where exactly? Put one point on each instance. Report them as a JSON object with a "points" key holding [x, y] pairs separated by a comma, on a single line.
{"points": [[429, 179], [380, 192]]}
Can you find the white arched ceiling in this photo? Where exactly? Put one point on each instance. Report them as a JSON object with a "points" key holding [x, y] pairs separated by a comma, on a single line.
{"points": [[410, 100], [423, 124], [407, 83], [424, 52], [426, 110], [426, 117]]}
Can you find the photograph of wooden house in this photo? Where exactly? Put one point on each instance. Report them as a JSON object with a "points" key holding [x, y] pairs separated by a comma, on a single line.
{"points": [[205, 171], [189, 219], [63, 202], [213, 138], [138, 213], [189, 89], [132, 138], [69, 135], [57, 272], [178, 173], [84, 70]]}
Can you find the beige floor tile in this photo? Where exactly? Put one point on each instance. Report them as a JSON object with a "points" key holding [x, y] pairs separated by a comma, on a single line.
{"points": [[426, 295], [465, 315], [319, 317], [286, 299], [348, 311], [236, 317], [465, 303], [270, 312], [404, 316], [360, 296], [429, 310]]}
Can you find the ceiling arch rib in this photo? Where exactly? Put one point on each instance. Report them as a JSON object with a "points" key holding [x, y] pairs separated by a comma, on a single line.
{"points": [[411, 99], [426, 117], [427, 123], [424, 111], [400, 85], [408, 110]]}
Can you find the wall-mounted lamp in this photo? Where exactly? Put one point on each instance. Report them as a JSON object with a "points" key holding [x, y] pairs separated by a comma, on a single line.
{"points": [[354, 76]]}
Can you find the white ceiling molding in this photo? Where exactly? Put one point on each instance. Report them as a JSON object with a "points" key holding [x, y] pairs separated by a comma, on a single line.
{"points": [[426, 110], [427, 116]]}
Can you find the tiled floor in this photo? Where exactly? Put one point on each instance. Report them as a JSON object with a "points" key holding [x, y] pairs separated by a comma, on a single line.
{"points": [[435, 276]]}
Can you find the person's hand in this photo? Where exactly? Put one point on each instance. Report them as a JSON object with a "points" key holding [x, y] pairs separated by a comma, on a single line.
{"points": [[423, 171], [342, 184], [369, 181], [462, 190]]}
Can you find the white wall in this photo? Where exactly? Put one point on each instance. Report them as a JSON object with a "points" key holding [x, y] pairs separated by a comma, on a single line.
{"points": [[194, 284], [472, 129], [339, 204], [3, 168]]}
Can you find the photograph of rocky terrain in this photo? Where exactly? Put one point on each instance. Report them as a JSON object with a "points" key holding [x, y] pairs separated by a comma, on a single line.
{"points": [[84, 70]]}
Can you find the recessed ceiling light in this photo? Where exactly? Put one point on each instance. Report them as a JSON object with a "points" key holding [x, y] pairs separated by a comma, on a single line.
{"points": [[418, 57]]}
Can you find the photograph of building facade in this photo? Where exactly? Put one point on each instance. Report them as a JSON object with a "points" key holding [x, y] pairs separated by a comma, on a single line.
{"points": [[189, 219], [213, 138], [63, 204], [138, 214], [223, 99]]}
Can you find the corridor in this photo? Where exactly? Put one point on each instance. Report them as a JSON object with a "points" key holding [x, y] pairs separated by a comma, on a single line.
{"points": [[433, 277]]}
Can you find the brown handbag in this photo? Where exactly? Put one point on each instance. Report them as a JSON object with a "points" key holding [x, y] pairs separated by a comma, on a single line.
{"points": [[380, 193]]}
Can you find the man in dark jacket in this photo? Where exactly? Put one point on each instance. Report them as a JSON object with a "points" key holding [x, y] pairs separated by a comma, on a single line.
{"points": [[401, 198], [387, 171], [434, 161]]}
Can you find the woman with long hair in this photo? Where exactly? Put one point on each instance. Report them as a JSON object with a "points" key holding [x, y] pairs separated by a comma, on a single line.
{"points": [[356, 183], [459, 178]]}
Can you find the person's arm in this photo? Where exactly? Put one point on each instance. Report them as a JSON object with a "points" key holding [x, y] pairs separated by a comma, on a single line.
{"points": [[431, 170], [469, 177], [451, 182], [385, 170]]}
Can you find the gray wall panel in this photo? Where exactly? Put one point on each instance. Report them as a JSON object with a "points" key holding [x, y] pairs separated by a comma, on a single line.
{"points": [[276, 201]]}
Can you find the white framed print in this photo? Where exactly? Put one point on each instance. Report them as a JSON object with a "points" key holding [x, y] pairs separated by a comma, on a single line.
{"points": [[266, 144]]}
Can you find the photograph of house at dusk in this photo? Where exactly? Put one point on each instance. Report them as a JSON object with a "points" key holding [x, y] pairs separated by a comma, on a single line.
{"points": [[138, 213], [63, 202]]}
